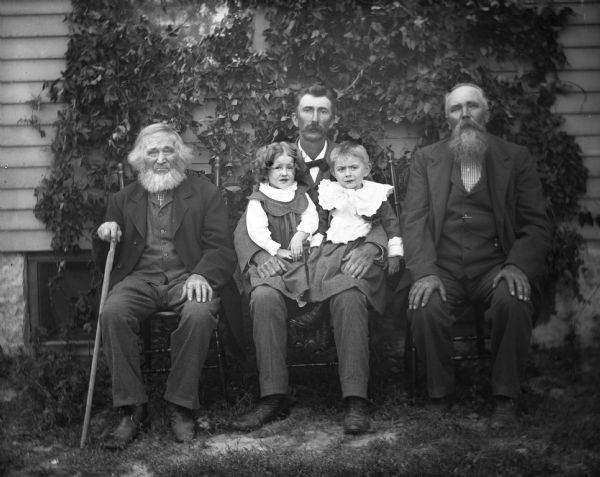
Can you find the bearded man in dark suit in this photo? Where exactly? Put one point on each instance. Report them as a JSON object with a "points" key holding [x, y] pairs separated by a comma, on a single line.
{"points": [[475, 229], [174, 252]]}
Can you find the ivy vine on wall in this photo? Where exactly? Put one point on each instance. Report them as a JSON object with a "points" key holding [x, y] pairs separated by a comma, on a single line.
{"points": [[390, 62]]}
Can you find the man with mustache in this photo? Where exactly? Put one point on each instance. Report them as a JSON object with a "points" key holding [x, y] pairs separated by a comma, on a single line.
{"points": [[313, 116], [475, 229], [174, 252]]}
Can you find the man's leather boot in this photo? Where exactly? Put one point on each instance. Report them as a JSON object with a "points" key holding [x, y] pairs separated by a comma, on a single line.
{"points": [[269, 408], [356, 418], [182, 423], [135, 419]]}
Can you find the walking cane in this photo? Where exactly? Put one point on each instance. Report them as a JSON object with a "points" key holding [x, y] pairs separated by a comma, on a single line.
{"points": [[90, 394]]}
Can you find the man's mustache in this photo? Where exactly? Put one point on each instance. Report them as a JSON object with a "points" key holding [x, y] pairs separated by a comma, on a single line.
{"points": [[467, 123], [313, 127]]}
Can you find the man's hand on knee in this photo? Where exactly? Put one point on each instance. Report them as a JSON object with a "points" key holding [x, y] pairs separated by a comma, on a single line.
{"points": [[358, 261], [516, 281], [268, 265], [422, 289], [198, 286]]}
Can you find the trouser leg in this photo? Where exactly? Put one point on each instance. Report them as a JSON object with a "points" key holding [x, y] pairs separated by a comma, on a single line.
{"points": [[190, 343], [511, 321], [431, 327], [129, 301], [269, 323], [350, 322]]}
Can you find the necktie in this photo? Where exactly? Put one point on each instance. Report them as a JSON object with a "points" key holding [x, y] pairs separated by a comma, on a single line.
{"points": [[320, 163]]}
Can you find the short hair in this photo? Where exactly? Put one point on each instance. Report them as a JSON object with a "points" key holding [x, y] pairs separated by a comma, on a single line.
{"points": [[265, 156], [348, 148], [318, 90], [471, 85], [138, 154]]}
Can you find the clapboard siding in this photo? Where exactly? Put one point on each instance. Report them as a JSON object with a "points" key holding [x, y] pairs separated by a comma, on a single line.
{"points": [[583, 124], [25, 240], [584, 13], [33, 48], [583, 58], [26, 156], [577, 103], [17, 199], [25, 136], [593, 164], [11, 114], [21, 92], [33, 25], [34, 38], [31, 70], [35, 7], [21, 178], [19, 220], [581, 109], [587, 35]]}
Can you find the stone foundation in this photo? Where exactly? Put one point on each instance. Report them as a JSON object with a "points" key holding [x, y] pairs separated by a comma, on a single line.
{"points": [[13, 299]]}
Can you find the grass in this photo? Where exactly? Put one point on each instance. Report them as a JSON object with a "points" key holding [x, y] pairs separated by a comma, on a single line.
{"points": [[558, 433]]}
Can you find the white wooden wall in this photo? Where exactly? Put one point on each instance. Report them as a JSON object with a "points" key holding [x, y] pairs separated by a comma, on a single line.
{"points": [[33, 41], [581, 110]]}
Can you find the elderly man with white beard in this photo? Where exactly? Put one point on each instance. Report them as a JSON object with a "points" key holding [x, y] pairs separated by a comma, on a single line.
{"points": [[475, 230], [175, 251]]}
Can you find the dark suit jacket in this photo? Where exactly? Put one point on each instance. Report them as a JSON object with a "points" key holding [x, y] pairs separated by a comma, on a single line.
{"points": [[517, 199], [201, 234]]}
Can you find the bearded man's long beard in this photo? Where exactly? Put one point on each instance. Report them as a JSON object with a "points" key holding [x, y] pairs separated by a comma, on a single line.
{"points": [[468, 142], [153, 182]]}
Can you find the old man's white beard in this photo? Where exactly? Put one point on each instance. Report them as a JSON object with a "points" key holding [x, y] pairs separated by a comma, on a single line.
{"points": [[468, 144], [153, 182]]}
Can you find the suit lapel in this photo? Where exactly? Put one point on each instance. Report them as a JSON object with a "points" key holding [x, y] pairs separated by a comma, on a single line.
{"points": [[439, 173], [181, 203], [138, 209], [498, 175]]}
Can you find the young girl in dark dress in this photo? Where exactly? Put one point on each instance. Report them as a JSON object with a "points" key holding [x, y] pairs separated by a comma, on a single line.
{"points": [[280, 217]]}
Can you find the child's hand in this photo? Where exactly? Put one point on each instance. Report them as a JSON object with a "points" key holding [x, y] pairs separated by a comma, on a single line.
{"points": [[393, 265], [284, 253], [296, 245]]}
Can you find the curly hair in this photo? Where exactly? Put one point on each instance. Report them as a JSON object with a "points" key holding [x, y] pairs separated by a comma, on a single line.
{"points": [[137, 155], [265, 156]]}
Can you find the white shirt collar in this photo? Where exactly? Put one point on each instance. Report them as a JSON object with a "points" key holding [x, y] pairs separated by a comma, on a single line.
{"points": [[307, 158], [282, 195]]}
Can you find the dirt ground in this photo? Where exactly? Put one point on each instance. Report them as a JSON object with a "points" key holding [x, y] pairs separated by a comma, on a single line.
{"points": [[558, 432]]}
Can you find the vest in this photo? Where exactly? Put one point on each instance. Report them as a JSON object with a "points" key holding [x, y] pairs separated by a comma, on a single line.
{"points": [[468, 244], [159, 263]]}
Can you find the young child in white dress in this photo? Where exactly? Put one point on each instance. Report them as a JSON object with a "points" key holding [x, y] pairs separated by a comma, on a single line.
{"points": [[354, 205], [280, 217]]}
